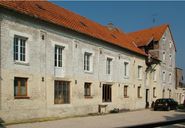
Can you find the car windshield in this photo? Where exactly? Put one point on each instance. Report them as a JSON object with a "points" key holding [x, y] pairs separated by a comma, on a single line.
{"points": [[161, 101]]}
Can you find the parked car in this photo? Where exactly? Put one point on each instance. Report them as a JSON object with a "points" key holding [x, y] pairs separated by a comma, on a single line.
{"points": [[165, 104]]}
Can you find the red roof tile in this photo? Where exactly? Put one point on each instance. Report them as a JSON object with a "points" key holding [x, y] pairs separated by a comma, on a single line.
{"points": [[143, 37], [52, 13]]}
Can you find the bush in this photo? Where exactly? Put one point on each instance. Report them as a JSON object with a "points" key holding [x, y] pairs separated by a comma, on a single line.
{"points": [[180, 106], [115, 110]]}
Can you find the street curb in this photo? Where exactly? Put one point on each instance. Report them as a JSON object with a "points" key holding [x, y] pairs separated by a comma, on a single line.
{"points": [[155, 124]]}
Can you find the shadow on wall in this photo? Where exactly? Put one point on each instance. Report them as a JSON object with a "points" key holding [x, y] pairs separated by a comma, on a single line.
{"points": [[1, 123]]}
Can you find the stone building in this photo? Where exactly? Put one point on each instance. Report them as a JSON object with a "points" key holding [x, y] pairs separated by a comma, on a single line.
{"points": [[55, 63], [180, 86], [158, 43]]}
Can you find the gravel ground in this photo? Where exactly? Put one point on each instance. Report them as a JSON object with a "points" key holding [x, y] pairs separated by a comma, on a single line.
{"points": [[107, 121]]}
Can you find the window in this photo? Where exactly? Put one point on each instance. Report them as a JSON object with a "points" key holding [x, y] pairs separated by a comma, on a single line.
{"points": [[126, 71], [87, 61], [58, 55], [107, 93], [125, 91], [170, 78], [19, 48], [164, 56], [163, 93], [139, 72], [170, 60], [169, 93], [139, 92], [62, 92], [154, 75], [87, 89], [20, 87], [108, 65], [170, 44], [154, 91], [164, 76]]}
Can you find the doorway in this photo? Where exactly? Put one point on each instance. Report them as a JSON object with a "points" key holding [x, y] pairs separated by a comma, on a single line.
{"points": [[147, 102]]}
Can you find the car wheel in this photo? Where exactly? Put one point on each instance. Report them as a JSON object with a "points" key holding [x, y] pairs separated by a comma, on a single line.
{"points": [[168, 108]]}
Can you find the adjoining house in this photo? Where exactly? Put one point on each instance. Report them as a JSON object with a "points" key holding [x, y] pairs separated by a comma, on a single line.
{"points": [[55, 63], [180, 86], [158, 43]]}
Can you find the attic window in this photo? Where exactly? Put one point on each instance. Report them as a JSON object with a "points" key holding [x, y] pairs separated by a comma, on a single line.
{"points": [[113, 36], [40, 7], [83, 24]]}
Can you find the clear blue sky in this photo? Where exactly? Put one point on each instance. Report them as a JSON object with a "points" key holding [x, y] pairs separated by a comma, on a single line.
{"points": [[133, 16]]}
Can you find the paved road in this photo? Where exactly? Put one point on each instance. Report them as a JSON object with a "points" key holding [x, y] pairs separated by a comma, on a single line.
{"points": [[108, 121]]}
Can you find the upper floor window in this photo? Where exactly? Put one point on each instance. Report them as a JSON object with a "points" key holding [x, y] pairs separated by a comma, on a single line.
{"points": [[170, 44], [164, 56], [139, 74], [154, 75], [108, 65], [170, 78], [170, 60], [58, 55], [126, 69], [87, 61], [20, 48], [164, 76]]}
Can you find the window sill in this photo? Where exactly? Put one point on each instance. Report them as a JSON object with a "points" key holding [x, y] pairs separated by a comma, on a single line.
{"points": [[154, 96], [126, 77], [89, 72], [21, 63], [126, 96], [140, 79], [140, 97], [88, 97], [21, 97]]}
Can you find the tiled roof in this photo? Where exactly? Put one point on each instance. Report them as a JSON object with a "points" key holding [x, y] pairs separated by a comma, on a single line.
{"points": [[143, 37], [52, 13]]}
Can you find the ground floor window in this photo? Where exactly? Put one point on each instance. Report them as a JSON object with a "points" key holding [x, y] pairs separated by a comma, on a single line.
{"points": [[61, 92], [107, 93], [87, 89], [154, 92], [139, 92], [125, 91], [163, 93], [20, 87]]}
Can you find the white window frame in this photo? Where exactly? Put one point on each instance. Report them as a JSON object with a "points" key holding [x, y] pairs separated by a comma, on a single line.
{"points": [[139, 72], [19, 53], [88, 61], [155, 75], [109, 65], [126, 69], [57, 59]]}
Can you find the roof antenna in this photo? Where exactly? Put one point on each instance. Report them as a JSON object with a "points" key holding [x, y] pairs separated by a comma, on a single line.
{"points": [[154, 18]]}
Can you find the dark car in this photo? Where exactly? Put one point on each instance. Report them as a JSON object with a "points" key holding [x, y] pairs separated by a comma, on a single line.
{"points": [[165, 104]]}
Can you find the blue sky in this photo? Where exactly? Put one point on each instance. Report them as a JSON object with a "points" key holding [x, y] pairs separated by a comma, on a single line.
{"points": [[136, 15]]}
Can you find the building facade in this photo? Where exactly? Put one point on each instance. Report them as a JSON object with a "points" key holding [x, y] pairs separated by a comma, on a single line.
{"points": [[48, 69]]}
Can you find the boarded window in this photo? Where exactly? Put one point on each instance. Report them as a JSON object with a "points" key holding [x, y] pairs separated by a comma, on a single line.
{"points": [[62, 92]]}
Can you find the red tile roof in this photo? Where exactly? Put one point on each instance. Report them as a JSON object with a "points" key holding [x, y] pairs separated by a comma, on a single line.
{"points": [[143, 37], [52, 13]]}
